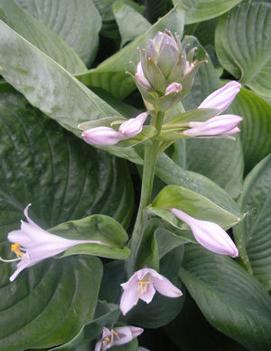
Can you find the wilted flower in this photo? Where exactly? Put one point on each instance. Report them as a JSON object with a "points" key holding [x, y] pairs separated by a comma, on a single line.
{"points": [[208, 234], [32, 244], [224, 125], [117, 336], [109, 136], [142, 285]]}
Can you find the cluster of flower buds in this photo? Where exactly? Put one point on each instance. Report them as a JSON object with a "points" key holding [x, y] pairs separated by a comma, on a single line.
{"points": [[167, 68], [106, 136]]}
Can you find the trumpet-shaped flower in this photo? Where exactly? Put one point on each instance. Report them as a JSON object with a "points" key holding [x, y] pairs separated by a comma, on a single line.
{"points": [[208, 234], [221, 98], [142, 285], [109, 136], [32, 244], [117, 336]]}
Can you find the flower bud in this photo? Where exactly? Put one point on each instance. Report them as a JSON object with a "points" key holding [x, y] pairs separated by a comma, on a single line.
{"points": [[208, 234], [101, 136], [167, 67], [133, 126], [173, 88], [221, 98], [223, 125]]}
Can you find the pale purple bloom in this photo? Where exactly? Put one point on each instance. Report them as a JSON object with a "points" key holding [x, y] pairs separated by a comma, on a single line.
{"points": [[208, 234], [173, 88], [106, 136], [221, 98], [223, 125], [133, 126], [117, 336], [102, 136], [34, 244], [142, 285], [140, 77]]}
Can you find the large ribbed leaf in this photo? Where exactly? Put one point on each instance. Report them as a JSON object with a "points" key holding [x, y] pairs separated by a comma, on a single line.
{"points": [[47, 85], [255, 128], [255, 230], [41, 36], [80, 16], [111, 75], [243, 44], [61, 176], [219, 159], [201, 10], [49, 303], [231, 299]]}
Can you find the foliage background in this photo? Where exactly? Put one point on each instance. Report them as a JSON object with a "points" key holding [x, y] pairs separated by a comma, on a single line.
{"points": [[62, 65]]}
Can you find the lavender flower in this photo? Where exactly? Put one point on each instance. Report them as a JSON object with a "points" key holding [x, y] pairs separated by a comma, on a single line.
{"points": [[117, 336], [142, 285], [32, 244], [208, 234]]}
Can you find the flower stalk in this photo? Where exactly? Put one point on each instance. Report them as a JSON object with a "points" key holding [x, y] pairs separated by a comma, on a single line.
{"points": [[150, 156]]}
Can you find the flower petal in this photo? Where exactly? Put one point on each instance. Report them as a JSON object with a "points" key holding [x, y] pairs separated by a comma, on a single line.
{"points": [[148, 295], [129, 299], [166, 288]]}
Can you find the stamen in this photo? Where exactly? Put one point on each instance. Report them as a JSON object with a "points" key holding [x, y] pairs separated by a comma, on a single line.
{"points": [[143, 285], [16, 248], [11, 260]]}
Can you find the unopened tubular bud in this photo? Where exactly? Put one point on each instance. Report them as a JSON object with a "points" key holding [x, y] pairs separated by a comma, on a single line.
{"points": [[101, 136]]}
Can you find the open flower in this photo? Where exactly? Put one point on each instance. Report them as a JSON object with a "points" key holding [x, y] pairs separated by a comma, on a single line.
{"points": [[208, 234], [117, 336], [223, 125], [32, 244], [109, 136], [142, 285]]}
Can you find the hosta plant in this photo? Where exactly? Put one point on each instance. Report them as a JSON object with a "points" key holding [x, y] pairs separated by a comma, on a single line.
{"points": [[135, 175]]}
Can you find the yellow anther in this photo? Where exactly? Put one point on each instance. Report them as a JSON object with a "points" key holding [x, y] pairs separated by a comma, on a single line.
{"points": [[143, 285], [16, 248], [107, 340]]}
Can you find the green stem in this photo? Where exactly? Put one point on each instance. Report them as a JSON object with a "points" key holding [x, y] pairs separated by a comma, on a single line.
{"points": [[150, 156]]}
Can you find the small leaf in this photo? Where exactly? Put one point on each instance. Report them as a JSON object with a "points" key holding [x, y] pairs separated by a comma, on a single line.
{"points": [[196, 205], [102, 228]]}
